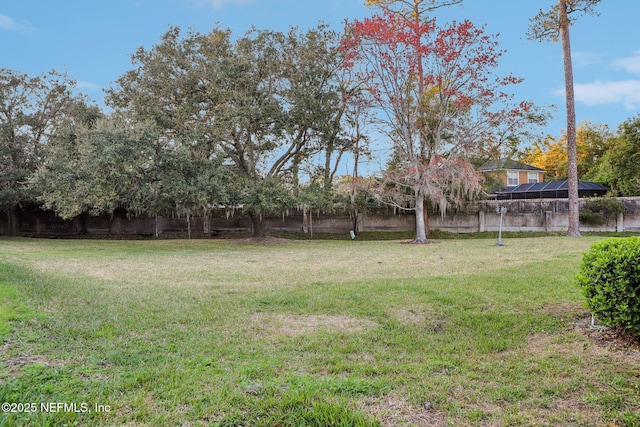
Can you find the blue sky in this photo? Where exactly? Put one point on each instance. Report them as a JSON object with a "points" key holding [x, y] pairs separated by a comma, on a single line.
{"points": [[92, 40]]}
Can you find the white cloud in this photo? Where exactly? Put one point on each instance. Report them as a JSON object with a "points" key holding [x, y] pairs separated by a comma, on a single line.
{"points": [[625, 92], [218, 4], [10, 24], [88, 86], [7, 23], [630, 64], [585, 59]]}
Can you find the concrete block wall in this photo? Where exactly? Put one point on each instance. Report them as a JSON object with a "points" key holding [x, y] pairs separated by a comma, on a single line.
{"points": [[550, 215]]}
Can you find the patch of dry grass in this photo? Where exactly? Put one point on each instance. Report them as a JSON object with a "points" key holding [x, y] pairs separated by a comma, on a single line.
{"points": [[394, 411], [216, 262], [280, 324]]}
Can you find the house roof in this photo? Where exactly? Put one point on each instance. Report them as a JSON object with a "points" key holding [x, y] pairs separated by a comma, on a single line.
{"points": [[508, 164], [553, 189]]}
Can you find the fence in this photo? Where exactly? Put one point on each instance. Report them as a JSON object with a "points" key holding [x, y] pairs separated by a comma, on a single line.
{"points": [[550, 215]]}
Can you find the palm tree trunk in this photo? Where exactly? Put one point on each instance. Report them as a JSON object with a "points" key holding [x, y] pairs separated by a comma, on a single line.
{"points": [[572, 172]]}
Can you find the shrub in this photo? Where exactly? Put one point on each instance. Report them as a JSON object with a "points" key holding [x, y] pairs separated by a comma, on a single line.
{"points": [[598, 210], [610, 279]]}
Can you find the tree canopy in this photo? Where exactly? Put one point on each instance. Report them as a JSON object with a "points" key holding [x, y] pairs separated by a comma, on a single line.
{"points": [[264, 103], [550, 154], [416, 9], [440, 104], [31, 109], [620, 165]]}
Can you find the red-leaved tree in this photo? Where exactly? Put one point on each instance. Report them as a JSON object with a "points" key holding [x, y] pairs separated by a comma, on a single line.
{"points": [[439, 102]]}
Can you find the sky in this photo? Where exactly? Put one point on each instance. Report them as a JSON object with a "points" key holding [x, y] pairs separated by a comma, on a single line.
{"points": [[92, 40]]}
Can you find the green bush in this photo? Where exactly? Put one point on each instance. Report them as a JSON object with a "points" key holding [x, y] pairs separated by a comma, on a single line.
{"points": [[610, 279], [598, 210]]}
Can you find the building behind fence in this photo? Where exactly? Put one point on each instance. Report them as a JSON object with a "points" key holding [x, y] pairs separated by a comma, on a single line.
{"points": [[548, 215]]}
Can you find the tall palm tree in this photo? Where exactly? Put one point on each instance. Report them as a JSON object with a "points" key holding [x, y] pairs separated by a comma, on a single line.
{"points": [[551, 25]]}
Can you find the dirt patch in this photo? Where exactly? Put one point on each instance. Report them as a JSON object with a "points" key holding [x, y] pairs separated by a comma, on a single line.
{"points": [[21, 361], [550, 344], [393, 411], [15, 365], [300, 324], [611, 339], [564, 309], [418, 242], [410, 316], [430, 322], [605, 338], [264, 240]]}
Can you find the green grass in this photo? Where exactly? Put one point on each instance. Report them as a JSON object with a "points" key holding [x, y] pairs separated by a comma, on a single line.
{"points": [[363, 333], [11, 309]]}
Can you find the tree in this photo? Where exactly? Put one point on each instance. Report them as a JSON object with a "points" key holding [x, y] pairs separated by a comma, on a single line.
{"points": [[95, 168], [263, 102], [63, 179], [592, 143], [195, 185], [441, 105], [416, 9], [31, 109], [552, 25], [355, 190], [549, 154], [620, 165]]}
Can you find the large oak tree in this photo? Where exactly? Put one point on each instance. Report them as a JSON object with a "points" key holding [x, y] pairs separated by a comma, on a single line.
{"points": [[31, 110], [95, 168], [263, 102]]}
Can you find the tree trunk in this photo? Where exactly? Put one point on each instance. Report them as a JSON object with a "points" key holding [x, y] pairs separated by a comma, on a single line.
{"points": [[81, 224], [327, 165], [572, 172], [421, 231], [426, 218], [205, 221], [13, 219], [355, 222], [257, 225]]}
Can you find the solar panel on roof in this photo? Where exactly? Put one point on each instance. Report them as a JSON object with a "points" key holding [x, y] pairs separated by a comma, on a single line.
{"points": [[553, 188]]}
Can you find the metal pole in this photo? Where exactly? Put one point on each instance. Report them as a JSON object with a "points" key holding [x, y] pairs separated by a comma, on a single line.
{"points": [[500, 210]]}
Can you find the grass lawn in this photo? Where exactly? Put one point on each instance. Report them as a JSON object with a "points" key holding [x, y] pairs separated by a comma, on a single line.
{"points": [[306, 333]]}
